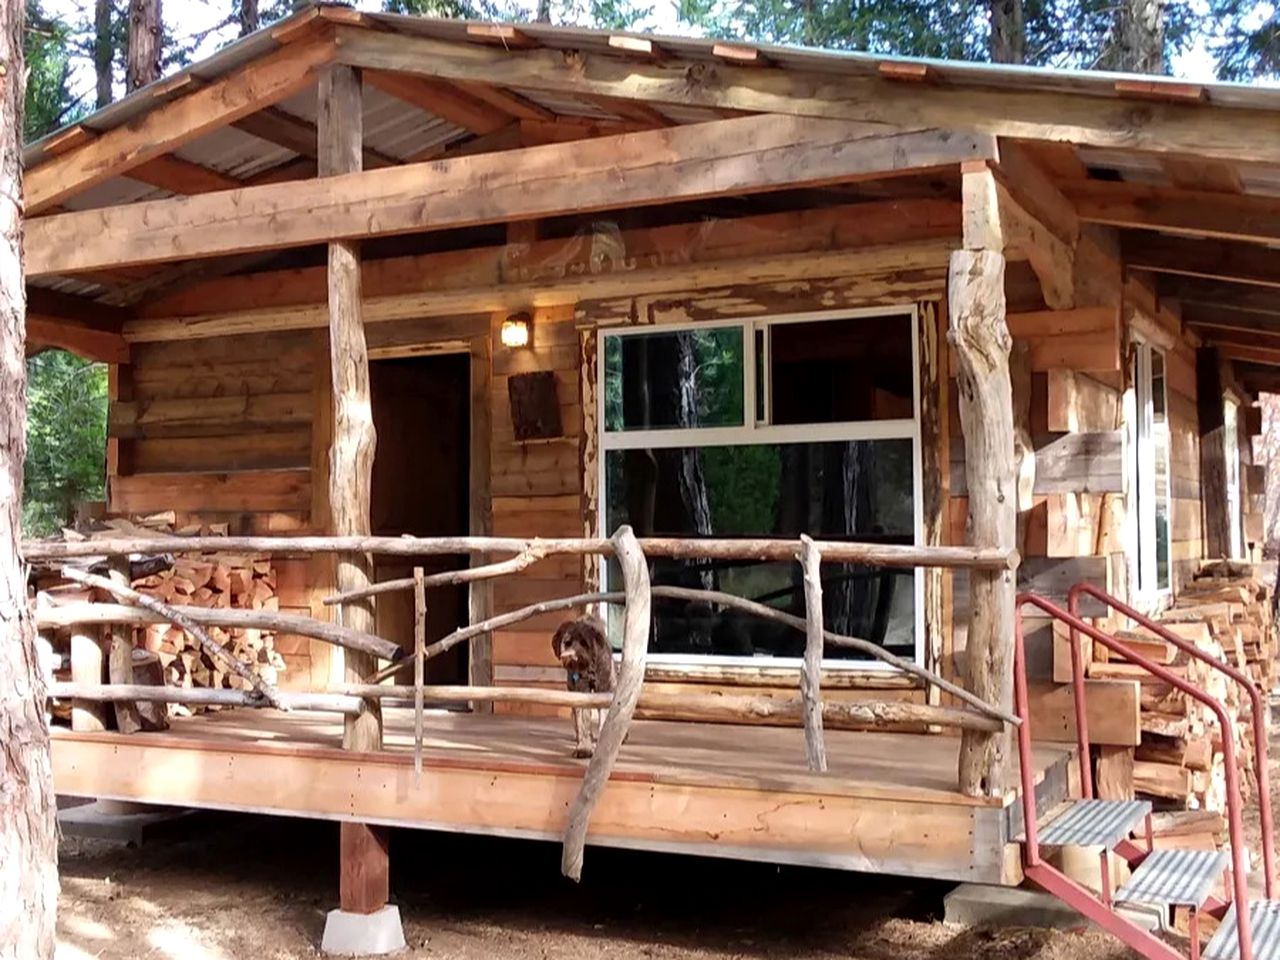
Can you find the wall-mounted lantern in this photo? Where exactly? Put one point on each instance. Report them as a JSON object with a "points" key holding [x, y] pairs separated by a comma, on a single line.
{"points": [[515, 330]]}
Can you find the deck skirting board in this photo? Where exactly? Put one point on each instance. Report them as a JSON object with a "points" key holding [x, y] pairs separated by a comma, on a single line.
{"points": [[869, 834]]}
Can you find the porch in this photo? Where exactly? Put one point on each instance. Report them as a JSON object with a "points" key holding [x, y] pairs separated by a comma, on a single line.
{"points": [[888, 803]]}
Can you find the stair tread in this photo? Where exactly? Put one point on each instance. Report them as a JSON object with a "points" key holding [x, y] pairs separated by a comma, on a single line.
{"points": [[1181, 878], [1264, 924], [1088, 823]]}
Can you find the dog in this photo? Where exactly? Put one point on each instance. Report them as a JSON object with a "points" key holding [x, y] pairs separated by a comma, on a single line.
{"points": [[583, 650]]}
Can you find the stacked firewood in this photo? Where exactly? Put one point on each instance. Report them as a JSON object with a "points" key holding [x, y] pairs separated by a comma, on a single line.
{"points": [[1227, 614], [240, 582]]}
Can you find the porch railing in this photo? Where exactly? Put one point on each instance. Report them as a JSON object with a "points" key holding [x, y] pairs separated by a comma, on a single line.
{"points": [[636, 598]]}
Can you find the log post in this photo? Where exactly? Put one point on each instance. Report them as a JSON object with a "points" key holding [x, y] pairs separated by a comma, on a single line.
{"points": [[1211, 417], [980, 336], [120, 655], [815, 748], [419, 664], [87, 666], [364, 882]]}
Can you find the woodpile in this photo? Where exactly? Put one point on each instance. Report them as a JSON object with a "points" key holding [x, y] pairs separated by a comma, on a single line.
{"points": [[239, 582], [1226, 613], [165, 653]]}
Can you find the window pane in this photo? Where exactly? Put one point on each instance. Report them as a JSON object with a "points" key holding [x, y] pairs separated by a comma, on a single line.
{"points": [[838, 371], [685, 378], [1160, 449], [842, 490]]}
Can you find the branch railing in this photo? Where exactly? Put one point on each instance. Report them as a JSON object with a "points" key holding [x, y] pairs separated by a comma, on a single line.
{"points": [[636, 597]]}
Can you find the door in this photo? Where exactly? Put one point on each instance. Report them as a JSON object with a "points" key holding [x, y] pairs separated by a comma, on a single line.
{"points": [[421, 484]]}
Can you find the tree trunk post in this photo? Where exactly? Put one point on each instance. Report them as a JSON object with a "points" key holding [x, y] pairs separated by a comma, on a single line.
{"points": [[87, 665], [145, 43], [1211, 423], [815, 748], [120, 654], [364, 883], [28, 832], [980, 336]]}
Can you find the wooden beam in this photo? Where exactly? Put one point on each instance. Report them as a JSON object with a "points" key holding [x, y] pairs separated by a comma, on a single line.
{"points": [[507, 101], [1212, 317], [293, 133], [1237, 296], [1178, 128], [439, 100], [103, 346], [1259, 354], [169, 126], [1195, 213], [981, 342], [181, 176], [739, 156], [1211, 259]]}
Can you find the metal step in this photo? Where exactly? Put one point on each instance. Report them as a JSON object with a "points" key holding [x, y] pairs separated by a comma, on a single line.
{"points": [[1264, 924], [1174, 878], [1094, 823]]}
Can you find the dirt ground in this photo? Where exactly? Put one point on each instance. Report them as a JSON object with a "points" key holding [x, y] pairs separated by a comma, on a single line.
{"points": [[226, 887], [238, 887]]}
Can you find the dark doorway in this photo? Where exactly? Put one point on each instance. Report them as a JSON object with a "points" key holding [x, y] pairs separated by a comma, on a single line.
{"points": [[421, 486]]}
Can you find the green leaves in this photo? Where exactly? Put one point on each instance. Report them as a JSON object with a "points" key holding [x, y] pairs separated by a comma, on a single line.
{"points": [[66, 439]]}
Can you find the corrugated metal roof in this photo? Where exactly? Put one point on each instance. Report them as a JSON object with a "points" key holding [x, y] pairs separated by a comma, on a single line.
{"points": [[234, 153]]}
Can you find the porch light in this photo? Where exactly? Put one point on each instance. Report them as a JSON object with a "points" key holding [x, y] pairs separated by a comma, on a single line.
{"points": [[515, 330]]}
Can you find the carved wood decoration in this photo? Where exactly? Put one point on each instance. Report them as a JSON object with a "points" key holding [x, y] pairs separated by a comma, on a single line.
{"points": [[535, 408]]}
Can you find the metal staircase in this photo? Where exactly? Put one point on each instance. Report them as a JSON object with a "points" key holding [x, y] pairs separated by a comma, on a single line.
{"points": [[1160, 878]]}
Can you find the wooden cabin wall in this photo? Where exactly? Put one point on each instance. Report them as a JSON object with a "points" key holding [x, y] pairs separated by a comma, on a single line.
{"points": [[219, 431]]}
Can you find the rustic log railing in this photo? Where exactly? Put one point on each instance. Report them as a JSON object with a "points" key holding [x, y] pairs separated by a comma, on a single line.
{"points": [[636, 597]]}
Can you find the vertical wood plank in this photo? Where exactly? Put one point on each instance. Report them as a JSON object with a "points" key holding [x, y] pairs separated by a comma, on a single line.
{"points": [[932, 462], [1213, 453], [364, 877], [481, 506]]}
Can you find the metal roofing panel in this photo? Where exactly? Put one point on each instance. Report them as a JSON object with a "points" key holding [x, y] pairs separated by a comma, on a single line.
{"points": [[234, 153], [113, 193], [566, 105]]}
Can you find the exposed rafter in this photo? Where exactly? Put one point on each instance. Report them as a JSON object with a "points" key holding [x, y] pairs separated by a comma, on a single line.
{"points": [[1194, 257], [162, 130], [1220, 293], [439, 99], [293, 133], [1192, 213]]}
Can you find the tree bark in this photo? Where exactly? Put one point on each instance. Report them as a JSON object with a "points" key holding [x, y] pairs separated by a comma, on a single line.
{"points": [[28, 833], [249, 19], [1136, 44], [981, 340], [1008, 42], [145, 43], [103, 50]]}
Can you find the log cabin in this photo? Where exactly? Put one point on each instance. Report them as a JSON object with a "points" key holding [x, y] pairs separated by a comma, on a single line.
{"points": [[366, 275]]}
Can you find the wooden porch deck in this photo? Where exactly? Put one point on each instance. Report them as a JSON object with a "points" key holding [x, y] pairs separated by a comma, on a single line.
{"points": [[888, 805]]}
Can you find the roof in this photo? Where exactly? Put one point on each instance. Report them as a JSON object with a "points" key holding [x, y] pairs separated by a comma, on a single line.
{"points": [[1118, 146]]}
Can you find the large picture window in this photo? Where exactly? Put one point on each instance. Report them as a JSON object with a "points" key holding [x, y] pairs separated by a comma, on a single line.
{"points": [[1151, 477], [772, 428]]}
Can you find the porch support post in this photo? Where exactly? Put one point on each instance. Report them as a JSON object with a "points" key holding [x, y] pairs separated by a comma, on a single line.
{"points": [[981, 340], [1211, 417], [361, 925]]}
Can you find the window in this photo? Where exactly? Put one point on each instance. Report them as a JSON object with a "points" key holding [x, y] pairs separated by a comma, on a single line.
{"points": [[768, 428], [1231, 442], [1151, 471]]}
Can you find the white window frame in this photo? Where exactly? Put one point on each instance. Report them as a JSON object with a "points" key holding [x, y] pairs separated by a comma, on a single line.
{"points": [[754, 432], [1143, 477], [1234, 494]]}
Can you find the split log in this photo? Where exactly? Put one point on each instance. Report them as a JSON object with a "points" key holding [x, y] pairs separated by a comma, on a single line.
{"points": [[215, 650], [626, 693], [352, 639], [419, 662], [811, 674], [120, 649], [869, 554]]}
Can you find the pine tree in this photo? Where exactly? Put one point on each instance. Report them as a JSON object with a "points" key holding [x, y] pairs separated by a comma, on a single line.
{"points": [[145, 43]]}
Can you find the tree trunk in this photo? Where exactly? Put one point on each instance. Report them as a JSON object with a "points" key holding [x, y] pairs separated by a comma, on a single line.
{"points": [[103, 50], [544, 11], [1008, 32], [1136, 44], [249, 19], [145, 43], [28, 833]]}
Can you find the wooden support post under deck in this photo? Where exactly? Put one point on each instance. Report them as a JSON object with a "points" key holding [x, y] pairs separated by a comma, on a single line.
{"points": [[980, 337], [120, 657], [87, 667], [364, 883]]}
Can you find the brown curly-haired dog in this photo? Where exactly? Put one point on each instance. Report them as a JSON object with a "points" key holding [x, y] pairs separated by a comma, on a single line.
{"points": [[582, 648]]}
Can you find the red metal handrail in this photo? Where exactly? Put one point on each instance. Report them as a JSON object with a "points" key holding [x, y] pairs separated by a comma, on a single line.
{"points": [[1235, 824], [1259, 706]]}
